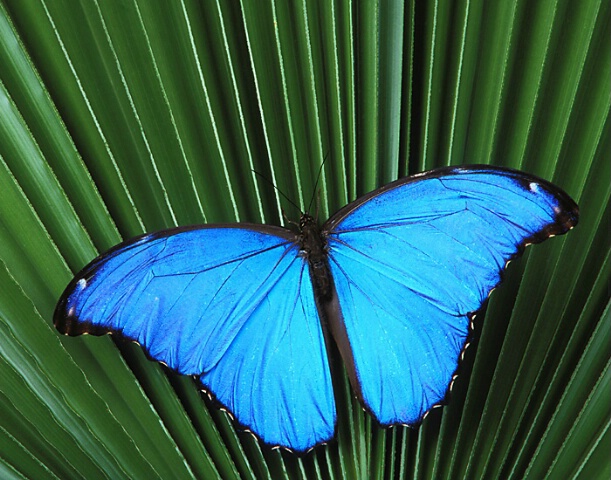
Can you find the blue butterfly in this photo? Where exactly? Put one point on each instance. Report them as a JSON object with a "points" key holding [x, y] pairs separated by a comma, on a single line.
{"points": [[394, 278]]}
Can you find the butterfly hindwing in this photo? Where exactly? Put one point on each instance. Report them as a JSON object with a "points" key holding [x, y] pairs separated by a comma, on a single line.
{"points": [[234, 306], [414, 260]]}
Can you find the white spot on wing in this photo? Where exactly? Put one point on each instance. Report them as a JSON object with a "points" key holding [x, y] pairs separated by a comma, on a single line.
{"points": [[533, 187], [82, 283]]}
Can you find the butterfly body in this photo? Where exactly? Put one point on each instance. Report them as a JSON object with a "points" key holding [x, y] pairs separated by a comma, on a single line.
{"points": [[313, 245], [396, 275]]}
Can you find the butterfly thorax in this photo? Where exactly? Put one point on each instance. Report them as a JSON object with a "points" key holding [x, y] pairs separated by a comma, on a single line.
{"points": [[313, 245]]}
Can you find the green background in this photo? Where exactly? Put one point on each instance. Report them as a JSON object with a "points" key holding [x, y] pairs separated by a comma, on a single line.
{"points": [[120, 117]]}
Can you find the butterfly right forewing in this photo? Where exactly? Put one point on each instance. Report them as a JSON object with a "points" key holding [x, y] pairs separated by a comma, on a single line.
{"points": [[413, 261]]}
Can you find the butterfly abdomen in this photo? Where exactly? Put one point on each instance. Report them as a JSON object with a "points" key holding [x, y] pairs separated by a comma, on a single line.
{"points": [[314, 248]]}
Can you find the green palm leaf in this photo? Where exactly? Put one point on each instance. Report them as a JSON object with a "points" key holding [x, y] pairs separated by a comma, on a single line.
{"points": [[121, 117]]}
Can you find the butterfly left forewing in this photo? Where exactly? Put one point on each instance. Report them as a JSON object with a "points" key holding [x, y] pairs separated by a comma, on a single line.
{"points": [[232, 305]]}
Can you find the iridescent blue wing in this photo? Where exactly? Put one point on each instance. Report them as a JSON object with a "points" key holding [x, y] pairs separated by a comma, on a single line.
{"points": [[411, 264], [233, 305]]}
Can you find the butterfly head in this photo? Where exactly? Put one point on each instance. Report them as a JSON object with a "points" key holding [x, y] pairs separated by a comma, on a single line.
{"points": [[310, 237], [306, 221]]}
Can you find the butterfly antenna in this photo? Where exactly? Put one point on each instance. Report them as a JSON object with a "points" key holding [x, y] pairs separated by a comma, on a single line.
{"points": [[278, 190], [316, 185]]}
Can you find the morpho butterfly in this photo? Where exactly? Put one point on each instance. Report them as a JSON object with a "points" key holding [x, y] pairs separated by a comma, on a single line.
{"points": [[395, 278]]}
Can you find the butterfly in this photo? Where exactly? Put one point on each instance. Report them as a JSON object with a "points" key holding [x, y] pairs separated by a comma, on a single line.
{"points": [[394, 278]]}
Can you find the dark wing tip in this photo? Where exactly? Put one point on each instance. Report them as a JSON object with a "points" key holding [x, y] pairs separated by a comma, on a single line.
{"points": [[567, 211], [67, 323], [70, 325], [66, 320], [566, 217]]}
